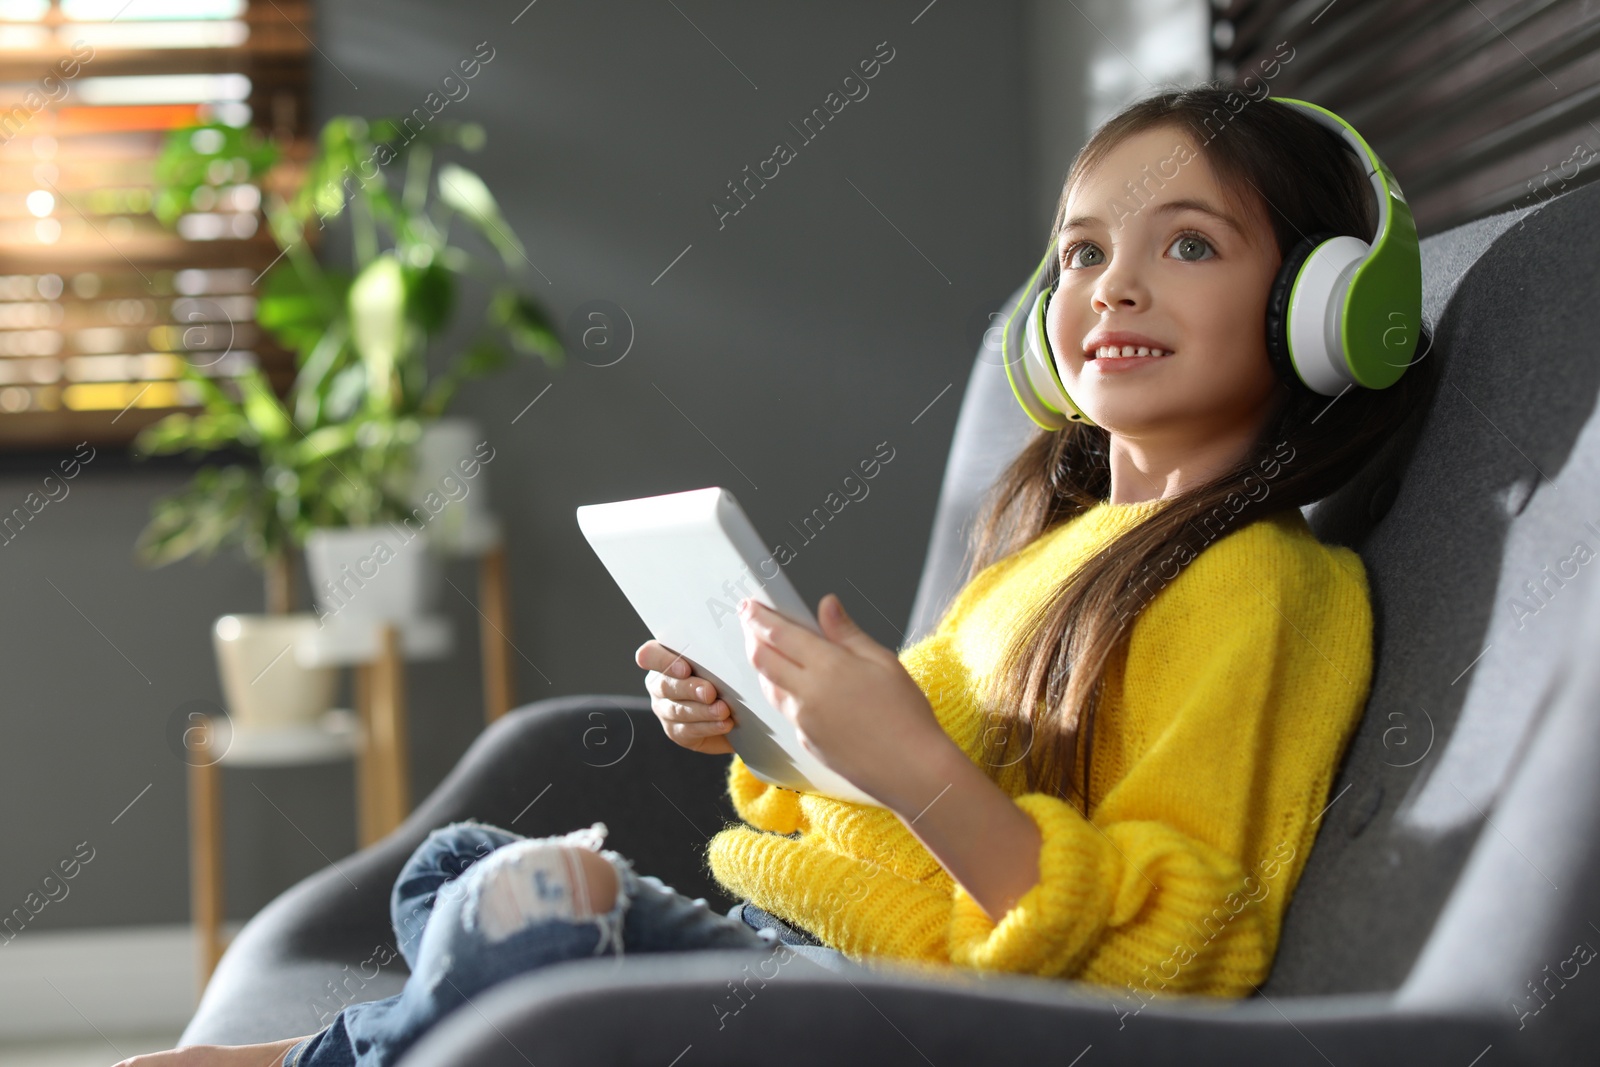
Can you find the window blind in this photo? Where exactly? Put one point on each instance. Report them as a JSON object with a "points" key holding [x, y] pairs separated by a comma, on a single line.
{"points": [[100, 304]]}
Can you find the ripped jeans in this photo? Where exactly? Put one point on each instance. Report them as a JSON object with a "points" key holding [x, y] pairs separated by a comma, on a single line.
{"points": [[476, 905]]}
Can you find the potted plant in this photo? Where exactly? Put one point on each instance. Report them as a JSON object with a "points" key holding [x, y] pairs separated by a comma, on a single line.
{"points": [[338, 451]]}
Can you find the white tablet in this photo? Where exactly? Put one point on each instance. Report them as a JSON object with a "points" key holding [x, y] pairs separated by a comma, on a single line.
{"points": [[684, 561]]}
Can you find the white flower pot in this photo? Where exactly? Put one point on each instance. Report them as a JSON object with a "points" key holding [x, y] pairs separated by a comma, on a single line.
{"points": [[266, 689], [450, 489], [368, 574]]}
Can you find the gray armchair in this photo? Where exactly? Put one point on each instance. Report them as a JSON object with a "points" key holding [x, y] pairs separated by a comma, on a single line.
{"points": [[1446, 913]]}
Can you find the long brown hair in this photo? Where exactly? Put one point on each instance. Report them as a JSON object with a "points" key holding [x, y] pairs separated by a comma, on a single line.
{"points": [[1052, 676]]}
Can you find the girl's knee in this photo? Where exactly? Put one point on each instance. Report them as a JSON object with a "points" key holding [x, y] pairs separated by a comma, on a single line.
{"points": [[602, 881], [538, 880]]}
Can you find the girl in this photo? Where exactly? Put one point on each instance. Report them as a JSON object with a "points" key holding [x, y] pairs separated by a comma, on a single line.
{"points": [[1109, 760]]}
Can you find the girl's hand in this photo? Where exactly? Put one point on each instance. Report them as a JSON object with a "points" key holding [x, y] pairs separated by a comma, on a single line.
{"points": [[853, 704], [687, 704]]}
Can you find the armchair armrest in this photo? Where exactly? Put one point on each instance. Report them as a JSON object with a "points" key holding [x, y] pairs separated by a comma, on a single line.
{"points": [[546, 768], [717, 1008]]}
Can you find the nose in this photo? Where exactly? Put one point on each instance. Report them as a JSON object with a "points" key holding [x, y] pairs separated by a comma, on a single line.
{"points": [[1119, 286]]}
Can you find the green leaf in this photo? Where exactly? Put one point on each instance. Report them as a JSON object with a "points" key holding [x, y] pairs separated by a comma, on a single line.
{"points": [[288, 228], [482, 358], [262, 407], [181, 432], [401, 137], [295, 313], [377, 325], [314, 382], [431, 293], [345, 393], [526, 324], [465, 192], [325, 443], [215, 399], [171, 434], [207, 156], [334, 174], [219, 507]]}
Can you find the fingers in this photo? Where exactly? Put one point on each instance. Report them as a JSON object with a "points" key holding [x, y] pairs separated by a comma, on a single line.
{"points": [[689, 723], [654, 656], [779, 633], [691, 689], [775, 668], [691, 712], [687, 733], [671, 675]]}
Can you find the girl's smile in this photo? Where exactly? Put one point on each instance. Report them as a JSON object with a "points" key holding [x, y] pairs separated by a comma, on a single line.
{"points": [[1108, 360]]}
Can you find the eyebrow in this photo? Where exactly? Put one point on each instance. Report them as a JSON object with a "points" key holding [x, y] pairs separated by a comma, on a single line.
{"points": [[1170, 207]]}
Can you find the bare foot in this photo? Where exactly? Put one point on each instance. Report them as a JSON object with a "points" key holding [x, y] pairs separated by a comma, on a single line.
{"points": [[265, 1055]]}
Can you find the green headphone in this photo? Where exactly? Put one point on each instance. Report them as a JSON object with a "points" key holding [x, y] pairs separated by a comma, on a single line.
{"points": [[1342, 311]]}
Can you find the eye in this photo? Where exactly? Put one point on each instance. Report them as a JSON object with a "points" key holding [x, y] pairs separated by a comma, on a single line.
{"points": [[1191, 240], [1066, 256]]}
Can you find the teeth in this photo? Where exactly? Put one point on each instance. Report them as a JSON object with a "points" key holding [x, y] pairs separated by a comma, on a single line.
{"points": [[1126, 351]]}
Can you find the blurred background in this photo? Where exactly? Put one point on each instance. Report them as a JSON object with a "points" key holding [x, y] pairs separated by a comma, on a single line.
{"points": [[278, 279]]}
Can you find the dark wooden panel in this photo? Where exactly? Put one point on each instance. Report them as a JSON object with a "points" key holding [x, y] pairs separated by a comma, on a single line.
{"points": [[1476, 105]]}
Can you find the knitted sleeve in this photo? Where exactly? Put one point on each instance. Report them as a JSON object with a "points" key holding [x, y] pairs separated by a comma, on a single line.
{"points": [[764, 806], [1245, 676]]}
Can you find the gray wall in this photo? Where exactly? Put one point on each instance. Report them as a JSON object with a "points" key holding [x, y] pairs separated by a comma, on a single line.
{"points": [[774, 354], [1084, 61]]}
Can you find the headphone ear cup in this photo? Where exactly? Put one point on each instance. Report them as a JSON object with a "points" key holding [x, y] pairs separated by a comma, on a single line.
{"points": [[1278, 307]]}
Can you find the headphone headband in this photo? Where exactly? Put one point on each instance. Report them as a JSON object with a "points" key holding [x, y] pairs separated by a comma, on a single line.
{"points": [[1377, 173]]}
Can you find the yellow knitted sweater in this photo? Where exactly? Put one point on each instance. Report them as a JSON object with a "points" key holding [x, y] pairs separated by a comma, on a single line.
{"points": [[1220, 727]]}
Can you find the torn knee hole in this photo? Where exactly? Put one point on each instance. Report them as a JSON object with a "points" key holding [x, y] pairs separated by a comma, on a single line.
{"points": [[534, 881]]}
